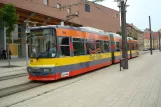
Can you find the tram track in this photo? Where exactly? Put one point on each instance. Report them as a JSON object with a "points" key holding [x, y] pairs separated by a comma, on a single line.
{"points": [[12, 76], [21, 87], [18, 88]]}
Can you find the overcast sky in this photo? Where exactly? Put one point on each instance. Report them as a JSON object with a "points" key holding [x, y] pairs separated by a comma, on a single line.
{"points": [[139, 11]]}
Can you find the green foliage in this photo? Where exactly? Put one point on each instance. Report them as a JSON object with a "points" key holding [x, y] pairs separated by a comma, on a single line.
{"points": [[135, 38], [9, 18], [119, 32]]}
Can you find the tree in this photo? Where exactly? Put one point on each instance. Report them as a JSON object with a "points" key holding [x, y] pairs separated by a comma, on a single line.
{"points": [[119, 32], [9, 18]]}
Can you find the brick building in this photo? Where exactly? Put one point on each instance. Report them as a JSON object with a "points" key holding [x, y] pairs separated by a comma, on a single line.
{"points": [[136, 33], [155, 39], [45, 12]]}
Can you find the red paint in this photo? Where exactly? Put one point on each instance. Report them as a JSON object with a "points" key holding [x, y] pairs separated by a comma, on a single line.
{"points": [[116, 61], [72, 73], [71, 46]]}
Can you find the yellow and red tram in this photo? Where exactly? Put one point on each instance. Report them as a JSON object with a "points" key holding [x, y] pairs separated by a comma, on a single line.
{"points": [[63, 51]]}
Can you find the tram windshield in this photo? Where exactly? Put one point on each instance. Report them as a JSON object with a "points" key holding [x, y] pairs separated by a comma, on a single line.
{"points": [[42, 43]]}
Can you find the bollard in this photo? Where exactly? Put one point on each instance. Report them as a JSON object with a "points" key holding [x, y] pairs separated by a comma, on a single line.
{"points": [[121, 63]]}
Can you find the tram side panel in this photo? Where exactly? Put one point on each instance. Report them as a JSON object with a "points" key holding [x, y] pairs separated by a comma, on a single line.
{"points": [[117, 50], [70, 61]]}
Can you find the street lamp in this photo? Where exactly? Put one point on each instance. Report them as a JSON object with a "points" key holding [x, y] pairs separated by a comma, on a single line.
{"points": [[159, 41], [26, 32], [122, 5], [151, 51]]}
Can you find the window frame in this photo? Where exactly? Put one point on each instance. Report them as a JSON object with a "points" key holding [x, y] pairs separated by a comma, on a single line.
{"points": [[60, 45], [88, 41], [46, 2], [104, 51], [87, 8], [117, 47], [82, 41], [69, 11]]}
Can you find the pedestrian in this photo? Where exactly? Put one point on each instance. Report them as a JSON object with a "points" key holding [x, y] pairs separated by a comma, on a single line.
{"points": [[1, 53], [4, 54], [10, 54], [2, 57]]}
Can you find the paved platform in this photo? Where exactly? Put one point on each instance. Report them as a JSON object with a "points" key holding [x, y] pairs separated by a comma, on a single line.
{"points": [[139, 86], [20, 65]]}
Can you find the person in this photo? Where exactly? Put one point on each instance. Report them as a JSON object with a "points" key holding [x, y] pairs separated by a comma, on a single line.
{"points": [[53, 50], [1, 55], [10, 54], [4, 54]]}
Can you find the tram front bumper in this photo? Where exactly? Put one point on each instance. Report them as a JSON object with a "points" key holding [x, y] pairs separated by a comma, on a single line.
{"points": [[41, 73]]}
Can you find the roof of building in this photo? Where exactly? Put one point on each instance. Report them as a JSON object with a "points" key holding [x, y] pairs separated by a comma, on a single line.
{"points": [[134, 27]]}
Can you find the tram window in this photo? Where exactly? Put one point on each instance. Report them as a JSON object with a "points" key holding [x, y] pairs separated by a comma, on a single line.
{"points": [[137, 46], [99, 46], [120, 45], [117, 46], [78, 46], [106, 46], [63, 40], [128, 47], [90, 46], [132, 47], [64, 46]]}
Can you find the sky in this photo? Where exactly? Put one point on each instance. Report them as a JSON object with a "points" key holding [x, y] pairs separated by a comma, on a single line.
{"points": [[139, 11]]}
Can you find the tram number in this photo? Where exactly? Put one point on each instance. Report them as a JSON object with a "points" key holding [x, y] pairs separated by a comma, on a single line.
{"points": [[95, 56], [64, 74]]}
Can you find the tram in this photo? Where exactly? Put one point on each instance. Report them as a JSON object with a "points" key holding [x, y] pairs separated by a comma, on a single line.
{"points": [[63, 51]]}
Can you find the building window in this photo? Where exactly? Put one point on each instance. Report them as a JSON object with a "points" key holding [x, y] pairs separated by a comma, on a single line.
{"points": [[19, 32], [69, 10], [87, 7], [46, 2], [58, 6]]}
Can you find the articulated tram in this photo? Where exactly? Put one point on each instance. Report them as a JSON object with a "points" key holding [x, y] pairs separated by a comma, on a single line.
{"points": [[62, 51]]}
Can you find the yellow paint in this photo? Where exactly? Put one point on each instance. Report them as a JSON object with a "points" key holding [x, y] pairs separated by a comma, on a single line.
{"points": [[117, 53], [66, 60]]}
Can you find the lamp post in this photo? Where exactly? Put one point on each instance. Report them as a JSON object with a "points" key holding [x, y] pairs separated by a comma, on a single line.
{"points": [[122, 5], [159, 40], [151, 52]]}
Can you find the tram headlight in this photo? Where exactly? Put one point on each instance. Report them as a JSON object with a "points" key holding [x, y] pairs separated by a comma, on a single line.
{"points": [[29, 69]]}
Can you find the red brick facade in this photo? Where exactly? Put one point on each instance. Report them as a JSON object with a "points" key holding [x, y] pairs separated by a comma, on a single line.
{"points": [[99, 16]]}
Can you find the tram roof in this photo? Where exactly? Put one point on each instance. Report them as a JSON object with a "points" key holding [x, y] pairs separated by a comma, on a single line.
{"points": [[114, 34], [84, 29]]}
